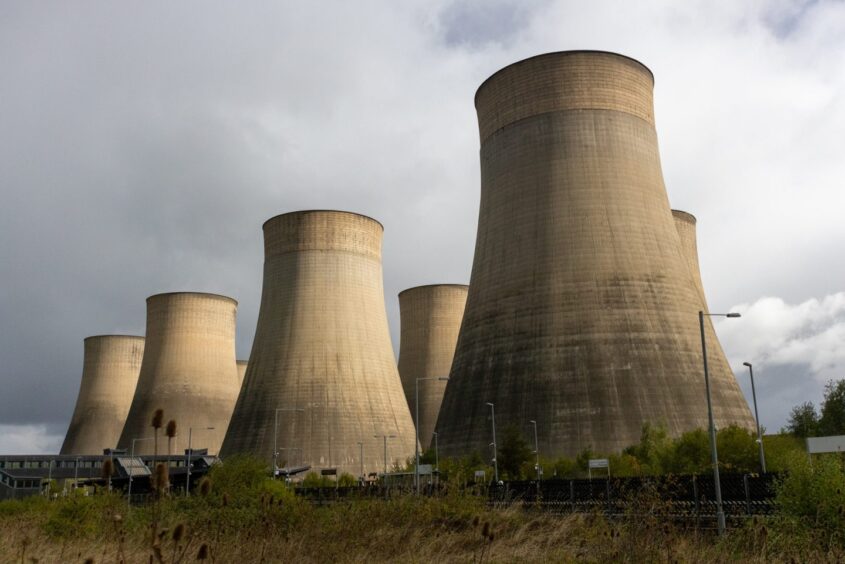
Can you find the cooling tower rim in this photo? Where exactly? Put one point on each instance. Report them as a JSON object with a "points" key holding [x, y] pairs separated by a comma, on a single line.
{"points": [[553, 53], [114, 335], [202, 294], [685, 216], [299, 212], [433, 286]]}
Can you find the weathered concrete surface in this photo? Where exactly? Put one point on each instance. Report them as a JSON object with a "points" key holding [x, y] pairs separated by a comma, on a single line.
{"points": [[717, 363], [188, 370], [241, 371], [109, 375], [431, 318], [322, 345], [582, 311]]}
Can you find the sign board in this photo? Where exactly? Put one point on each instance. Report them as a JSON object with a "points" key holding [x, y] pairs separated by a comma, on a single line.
{"points": [[329, 471], [480, 474], [425, 469], [817, 445], [599, 463]]}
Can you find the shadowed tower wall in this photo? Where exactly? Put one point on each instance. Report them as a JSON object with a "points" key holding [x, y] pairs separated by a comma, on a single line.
{"points": [[188, 370], [431, 318], [109, 376], [322, 346], [581, 312]]}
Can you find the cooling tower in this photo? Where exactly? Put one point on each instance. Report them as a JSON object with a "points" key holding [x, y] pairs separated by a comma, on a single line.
{"points": [[582, 313], [322, 361], [188, 371], [241, 371], [109, 376], [717, 363], [431, 318]]}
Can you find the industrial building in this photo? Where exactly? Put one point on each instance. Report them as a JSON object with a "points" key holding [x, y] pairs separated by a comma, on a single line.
{"points": [[430, 318], [189, 371], [110, 369], [582, 311], [322, 388]]}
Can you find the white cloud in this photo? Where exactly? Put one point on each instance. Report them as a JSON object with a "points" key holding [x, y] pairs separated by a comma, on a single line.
{"points": [[28, 439]]}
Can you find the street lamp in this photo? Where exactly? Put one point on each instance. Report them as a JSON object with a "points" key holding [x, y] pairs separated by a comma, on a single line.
{"points": [[417, 428], [275, 435], [132, 467], [436, 461], [757, 419], [188, 460], [536, 452], [714, 455], [76, 473], [385, 454], [493, 444], [361, 446]]}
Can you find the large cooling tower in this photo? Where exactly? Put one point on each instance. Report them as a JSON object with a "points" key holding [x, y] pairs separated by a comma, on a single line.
{"points": [[582, 313], [431, 318], [188, 371], [322, 346], [109, 376], [241, 371]]}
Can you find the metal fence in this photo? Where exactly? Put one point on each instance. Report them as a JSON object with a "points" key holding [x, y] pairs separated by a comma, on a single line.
{"points": [[684, 497]]}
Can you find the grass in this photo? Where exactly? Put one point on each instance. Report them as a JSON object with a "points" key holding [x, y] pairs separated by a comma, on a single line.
{"points": [[240, 516]]}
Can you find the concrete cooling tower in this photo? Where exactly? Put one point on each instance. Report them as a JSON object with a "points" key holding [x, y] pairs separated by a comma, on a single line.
{"points": [[109, 376], [188, 370], [322, 376], [717, 363], [582, 313], [431, 318], [241, 371]]}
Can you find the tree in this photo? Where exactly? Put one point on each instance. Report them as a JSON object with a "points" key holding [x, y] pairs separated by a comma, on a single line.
{"points": [[832, 420], [803, 420], [513, 452]]}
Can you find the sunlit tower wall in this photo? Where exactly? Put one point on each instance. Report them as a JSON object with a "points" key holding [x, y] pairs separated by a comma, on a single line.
{"points": [[431, 318], [188, 371], [241, 372], [322, 364], [109, 375], [581, 312], [717, 362]]}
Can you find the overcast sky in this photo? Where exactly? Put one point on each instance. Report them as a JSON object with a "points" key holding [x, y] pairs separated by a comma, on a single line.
{"points": [[142, 145]]}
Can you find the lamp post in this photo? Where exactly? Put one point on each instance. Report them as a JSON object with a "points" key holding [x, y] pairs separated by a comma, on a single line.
{"points": [[188, 460], [417, 428], [714, 455], [757, 419], [76, 473], [385, 455], [361, 446], [493, 444], [436, 459], [276, 433], [536, 452], [132, 467]]}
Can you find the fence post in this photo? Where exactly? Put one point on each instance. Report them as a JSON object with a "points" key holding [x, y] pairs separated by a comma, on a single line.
{"points": [[747, 494], [695, 495], [572, 496]]}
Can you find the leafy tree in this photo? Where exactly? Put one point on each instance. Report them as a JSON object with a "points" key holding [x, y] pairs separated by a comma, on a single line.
{"points": [[514, 452], [832, 420], [738, 451], [690, 453], [803, 420], [653, 449]]}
